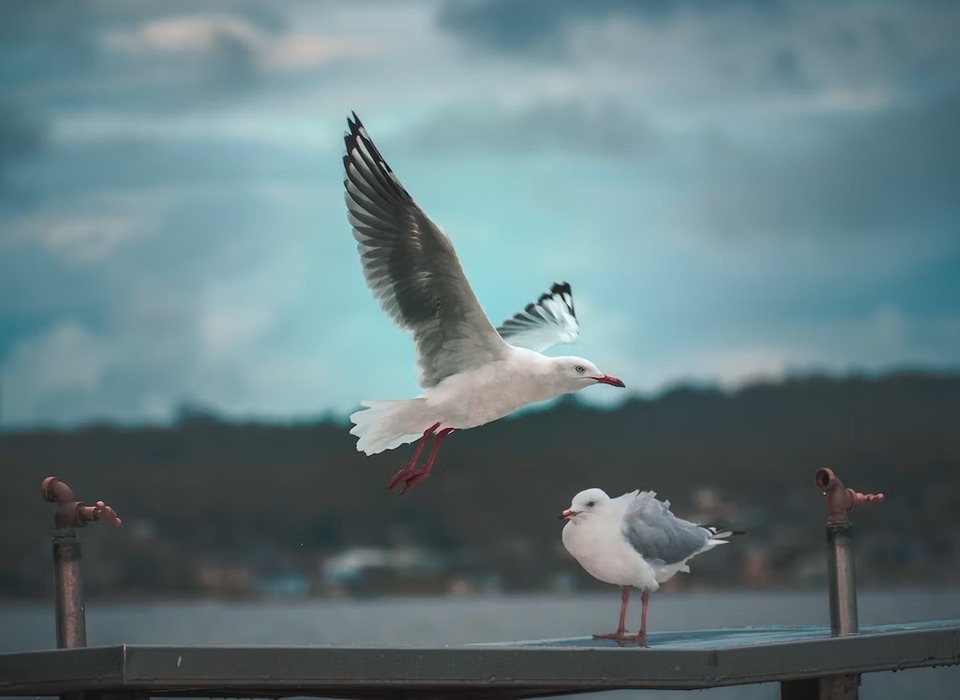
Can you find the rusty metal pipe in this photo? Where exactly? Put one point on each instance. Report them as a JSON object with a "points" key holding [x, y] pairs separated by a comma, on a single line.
{"points": [[68, 588], [841, 572], [843, 579], [840, 565], [68, 558]]}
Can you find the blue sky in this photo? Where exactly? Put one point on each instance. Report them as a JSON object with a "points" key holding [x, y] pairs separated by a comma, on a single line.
{"points": [[734, 190]]}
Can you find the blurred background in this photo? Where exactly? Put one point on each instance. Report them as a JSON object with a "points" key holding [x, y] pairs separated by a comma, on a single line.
{"points": [[756, 204]]}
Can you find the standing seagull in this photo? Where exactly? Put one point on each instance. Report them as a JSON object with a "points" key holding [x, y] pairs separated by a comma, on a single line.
{"points": [[633, 540], [471, 372]]}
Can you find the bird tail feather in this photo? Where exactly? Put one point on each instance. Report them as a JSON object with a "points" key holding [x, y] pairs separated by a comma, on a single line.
{"points": [[384, 425], [720, 535]]}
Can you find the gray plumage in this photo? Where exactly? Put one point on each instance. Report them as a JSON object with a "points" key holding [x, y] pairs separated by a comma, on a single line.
{"points": [[658, 535], [412, 268]]}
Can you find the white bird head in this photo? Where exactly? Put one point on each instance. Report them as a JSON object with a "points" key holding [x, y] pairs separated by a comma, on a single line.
{"points": [[575, 373], [588, 502]]}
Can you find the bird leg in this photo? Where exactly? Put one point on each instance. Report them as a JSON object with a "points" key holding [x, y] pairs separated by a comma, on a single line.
{"points": [[641, 638], [620, 636], [410, 467], [422, 474]]}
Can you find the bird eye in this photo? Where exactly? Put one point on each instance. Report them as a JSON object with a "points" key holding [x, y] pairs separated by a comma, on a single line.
{"points": [[579, 368], [590, 504]]}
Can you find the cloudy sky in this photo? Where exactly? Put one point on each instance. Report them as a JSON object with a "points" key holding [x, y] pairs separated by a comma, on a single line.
{"points": [[734, 190]]}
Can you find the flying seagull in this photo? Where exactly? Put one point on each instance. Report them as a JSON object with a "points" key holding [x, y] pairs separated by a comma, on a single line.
{"points": [[633, 540], [471, 373]]}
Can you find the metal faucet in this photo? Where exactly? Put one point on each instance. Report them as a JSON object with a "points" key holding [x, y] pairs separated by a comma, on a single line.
{"points": [[840, 568], [67, 558]]}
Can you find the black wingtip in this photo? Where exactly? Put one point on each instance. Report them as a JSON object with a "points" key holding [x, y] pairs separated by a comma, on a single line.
{"points": [[557, 288], [354, 127], [725, 531], [350, 134], [561, 289], [360, 149]]}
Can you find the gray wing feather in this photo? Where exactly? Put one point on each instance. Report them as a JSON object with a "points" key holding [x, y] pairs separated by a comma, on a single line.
{"points": [[657, 534], [411, 267], [549, 320]]}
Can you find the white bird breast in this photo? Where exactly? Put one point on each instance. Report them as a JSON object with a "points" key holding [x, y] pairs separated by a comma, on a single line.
{"points": [[492, 391], [600, 548]]}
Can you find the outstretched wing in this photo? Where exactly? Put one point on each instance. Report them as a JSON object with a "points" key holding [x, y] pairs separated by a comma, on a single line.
{"points": [[657, 534], [544, 323], [412, 269]]}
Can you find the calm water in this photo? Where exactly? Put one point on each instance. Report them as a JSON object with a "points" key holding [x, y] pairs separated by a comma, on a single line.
{"points": [[437, 621]]}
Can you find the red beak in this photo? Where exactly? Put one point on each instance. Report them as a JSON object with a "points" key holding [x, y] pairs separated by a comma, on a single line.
{"points": [[612, 381], [568, 514]]}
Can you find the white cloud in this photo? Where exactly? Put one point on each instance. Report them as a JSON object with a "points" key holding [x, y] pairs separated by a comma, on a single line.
{"points": [[88, 240], [254, 126], [73, 372], [63, 359], [92, 228], [309, 50], [228, 328], [195, 34], [735, 367], [883, 338], [887, 336], [79, 239], [715, 67], [731, 366], [189, 33]]}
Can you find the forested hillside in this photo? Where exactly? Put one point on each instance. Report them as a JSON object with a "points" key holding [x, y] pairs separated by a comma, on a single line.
{"points": [[206, 500]]}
